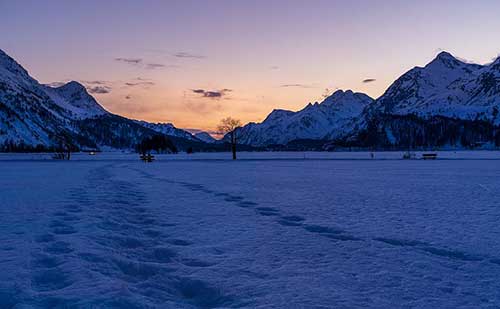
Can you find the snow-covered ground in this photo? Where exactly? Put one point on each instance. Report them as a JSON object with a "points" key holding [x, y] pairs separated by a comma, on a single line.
{"points": [[192, 231]]}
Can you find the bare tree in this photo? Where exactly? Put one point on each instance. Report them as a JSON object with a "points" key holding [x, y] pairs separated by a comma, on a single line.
{"points": [[228, 126], [64, 146]]}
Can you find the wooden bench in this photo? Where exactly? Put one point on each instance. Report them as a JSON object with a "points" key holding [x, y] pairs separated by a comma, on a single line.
{"points": [[429, 156], [147, 158]]}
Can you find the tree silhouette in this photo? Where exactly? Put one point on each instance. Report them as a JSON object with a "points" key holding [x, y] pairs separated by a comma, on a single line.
{"points": [[64, 146], [228, 126], [159, 143]]}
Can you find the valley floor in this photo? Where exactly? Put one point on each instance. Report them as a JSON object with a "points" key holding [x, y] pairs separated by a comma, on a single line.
{"points": [[113, 232]]}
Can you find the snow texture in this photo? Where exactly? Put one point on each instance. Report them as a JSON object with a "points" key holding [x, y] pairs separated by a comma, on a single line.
{"points": [[446, 87], [277, 230], [329, 119]]}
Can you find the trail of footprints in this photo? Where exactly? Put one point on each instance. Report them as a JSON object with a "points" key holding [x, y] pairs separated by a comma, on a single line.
{"points": [[285, 220], [130, 249], [335, 233], [47, 263]]}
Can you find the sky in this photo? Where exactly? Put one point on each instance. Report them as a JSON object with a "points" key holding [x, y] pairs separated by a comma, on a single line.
{"points": [[193, 63]]}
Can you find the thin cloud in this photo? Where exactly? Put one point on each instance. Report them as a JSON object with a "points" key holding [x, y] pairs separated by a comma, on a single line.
{"points": [[139, 62], [212, 94], [94, 82], [155, 66], [369, 80], [99, 89], [132, 61], [188, 55], [179, 54], [295, 86], [140, 83]]}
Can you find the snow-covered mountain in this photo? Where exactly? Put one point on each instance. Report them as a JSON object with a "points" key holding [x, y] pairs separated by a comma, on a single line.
{"points": [[74, 97], [445, 87], [27, 113], [167, 129], [447, 102], [205, 137], [36, 116], [328, 120]]}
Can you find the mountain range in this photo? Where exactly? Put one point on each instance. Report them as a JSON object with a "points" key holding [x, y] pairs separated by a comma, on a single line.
{"points": [[447, 103], [446, 87], [328, 120], [204, 136], [39, 117]]}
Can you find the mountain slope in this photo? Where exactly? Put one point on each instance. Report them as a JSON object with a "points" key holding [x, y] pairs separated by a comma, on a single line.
{"points": [[445, 87], [28, 115], [205, 137], [35, 116], [74, 97], [447, 103], [330, 119], [167, 129]]}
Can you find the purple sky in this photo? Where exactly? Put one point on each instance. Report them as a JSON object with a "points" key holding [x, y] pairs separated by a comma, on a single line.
{"points": [[195, 62]]}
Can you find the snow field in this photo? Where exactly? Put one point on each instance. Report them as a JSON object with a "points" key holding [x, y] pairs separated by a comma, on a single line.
{"points": [[115, 232]]}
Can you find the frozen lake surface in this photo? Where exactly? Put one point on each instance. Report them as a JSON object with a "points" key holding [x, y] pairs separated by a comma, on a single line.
{"points": [[275, 231]]}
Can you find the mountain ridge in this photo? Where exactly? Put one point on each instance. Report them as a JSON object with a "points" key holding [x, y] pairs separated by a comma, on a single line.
{"points": [[448, 102], [458, 95], [328, 119], [36, 116], [445, 87]]}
